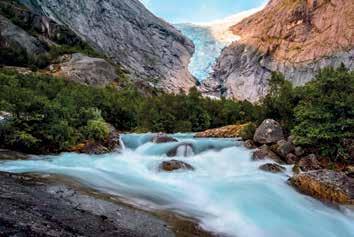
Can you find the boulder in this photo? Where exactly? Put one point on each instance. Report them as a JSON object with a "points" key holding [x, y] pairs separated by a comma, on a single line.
{"points": [[268, 132], [265, 152], [284, 148], [291, 159], [326, 185], [175, 165], [249, 144], [184, 149], [272, 168], [308, 163], [299, 151], [162, 138], [86, 70]]}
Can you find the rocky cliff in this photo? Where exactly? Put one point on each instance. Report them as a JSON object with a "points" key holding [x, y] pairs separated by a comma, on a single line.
{"points": [[294, 37], [130, 35]]}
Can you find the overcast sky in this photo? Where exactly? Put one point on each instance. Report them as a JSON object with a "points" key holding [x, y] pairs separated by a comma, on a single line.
{"points": [[181, 11]]}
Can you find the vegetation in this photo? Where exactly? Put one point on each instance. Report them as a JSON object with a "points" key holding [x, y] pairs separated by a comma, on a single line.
{"points": [[50, 114], [320, 115]]}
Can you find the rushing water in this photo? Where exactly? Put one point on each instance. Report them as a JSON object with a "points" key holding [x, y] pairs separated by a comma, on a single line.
{"points": [[226, 192]]}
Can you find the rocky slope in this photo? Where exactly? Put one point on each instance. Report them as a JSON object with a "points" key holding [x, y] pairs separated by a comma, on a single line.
{"points": [[294, 37], [130, 35]]}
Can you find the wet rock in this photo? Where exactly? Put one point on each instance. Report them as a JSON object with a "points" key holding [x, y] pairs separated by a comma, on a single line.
{"points": [[326, 185], [34, 206], [291, 159], [249, 144], [12, 155], [284, 148], [268, 132], [162, 138], [175, 165], [272, 168], [184, 149], [299, 151], [265, 152], [308, 163], [87, 70]]}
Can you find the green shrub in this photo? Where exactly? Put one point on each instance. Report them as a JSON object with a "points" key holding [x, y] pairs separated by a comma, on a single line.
{"points": [[248, 131]]}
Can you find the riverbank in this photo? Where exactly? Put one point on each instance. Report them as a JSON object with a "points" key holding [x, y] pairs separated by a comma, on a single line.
{"points": [[46, 205]]}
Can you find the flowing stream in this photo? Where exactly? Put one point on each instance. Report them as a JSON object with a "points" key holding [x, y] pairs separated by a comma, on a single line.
{"points": [[226, 191]]}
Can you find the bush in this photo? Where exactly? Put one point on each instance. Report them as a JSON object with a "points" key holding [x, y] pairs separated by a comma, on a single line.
{"points": [[248, 131]]}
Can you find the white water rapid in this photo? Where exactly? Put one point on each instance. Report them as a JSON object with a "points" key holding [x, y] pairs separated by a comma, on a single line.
{"points": [[226, 191]]}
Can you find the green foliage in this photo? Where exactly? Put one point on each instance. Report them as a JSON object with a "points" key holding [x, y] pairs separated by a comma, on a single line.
{"points": [[279, 104], [325, 116], [248, 131]]}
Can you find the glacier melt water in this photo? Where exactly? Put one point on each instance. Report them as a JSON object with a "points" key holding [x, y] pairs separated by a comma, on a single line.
{"points": [[226, 192]]}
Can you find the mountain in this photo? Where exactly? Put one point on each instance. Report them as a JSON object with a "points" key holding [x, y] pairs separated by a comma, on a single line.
{"points": [[129, 35], [296, 38]]}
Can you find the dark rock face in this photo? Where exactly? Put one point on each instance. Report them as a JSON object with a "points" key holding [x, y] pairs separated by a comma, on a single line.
{"points": [[125, 31], [30, 206], [272, 168], [175, 165], [13, 36], [326, 185], [299, 151], [291, 159], [268, 132]]}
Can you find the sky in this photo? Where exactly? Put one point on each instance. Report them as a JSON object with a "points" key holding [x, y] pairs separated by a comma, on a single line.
{"points": [[198, 11]]}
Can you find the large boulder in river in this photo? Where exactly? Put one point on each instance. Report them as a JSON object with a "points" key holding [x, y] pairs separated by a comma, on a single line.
{"points": [[86, 70], [264, 152], [175, 165], [326, 185], [268, 132]]}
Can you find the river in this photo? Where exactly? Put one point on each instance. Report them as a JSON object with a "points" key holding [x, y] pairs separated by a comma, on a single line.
{"points": [[226, 192]]}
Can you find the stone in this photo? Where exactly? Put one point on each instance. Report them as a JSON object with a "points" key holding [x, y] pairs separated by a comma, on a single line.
{"points": [[162, 138], [147, 47], [327, 185], [268, 132], [249, 144], [291, 159], [308, 163], [264, 152], [173, 165], [299, 151], [87, 70], [12, 155], [284, 148], [272, 168]]}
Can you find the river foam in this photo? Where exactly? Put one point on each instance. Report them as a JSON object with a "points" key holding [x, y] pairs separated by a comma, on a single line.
{"points": [[226, 192]]}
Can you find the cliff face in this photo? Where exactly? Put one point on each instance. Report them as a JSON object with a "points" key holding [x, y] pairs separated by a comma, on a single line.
{"points": [[294, 37], [130, 35]]}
